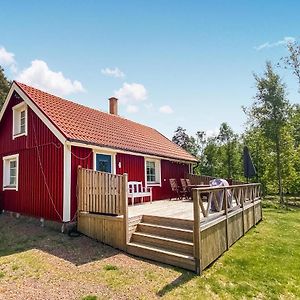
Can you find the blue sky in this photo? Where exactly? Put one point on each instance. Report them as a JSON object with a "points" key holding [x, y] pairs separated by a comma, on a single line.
{"points": [[171, 63]]}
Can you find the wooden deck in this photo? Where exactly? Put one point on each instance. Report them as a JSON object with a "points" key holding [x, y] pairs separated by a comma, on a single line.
{"points": [[179, 209], [183, 233]]}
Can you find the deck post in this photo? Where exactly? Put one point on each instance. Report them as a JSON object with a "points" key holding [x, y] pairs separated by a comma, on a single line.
{"points": [[226, 213], [125, 209], [253, 203], [243, 209], [197, 232]]}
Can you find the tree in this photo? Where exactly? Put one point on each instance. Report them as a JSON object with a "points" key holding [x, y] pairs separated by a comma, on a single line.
{"points": [[188, 143], [4, 87], [292, 61], [227, 138], [270, 111]]}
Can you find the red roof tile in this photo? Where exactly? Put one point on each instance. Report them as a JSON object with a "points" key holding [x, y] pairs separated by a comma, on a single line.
{"points": [[83, 124]]}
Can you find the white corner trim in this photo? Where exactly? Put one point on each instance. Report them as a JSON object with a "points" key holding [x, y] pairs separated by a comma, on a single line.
{"points": [[67, 184], [6, 172]]}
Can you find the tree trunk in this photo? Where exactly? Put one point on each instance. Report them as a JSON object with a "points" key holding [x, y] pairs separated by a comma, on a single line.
{"points": [[278, 165]]}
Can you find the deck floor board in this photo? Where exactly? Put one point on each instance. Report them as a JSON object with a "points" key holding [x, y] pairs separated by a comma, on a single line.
{"points": [[180, 209]]}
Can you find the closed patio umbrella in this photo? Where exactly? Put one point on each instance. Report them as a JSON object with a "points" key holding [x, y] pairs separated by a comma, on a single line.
{"points": [[249, 168]]}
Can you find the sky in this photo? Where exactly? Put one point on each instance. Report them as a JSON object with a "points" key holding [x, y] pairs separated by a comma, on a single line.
{"points": [[170, 63]]}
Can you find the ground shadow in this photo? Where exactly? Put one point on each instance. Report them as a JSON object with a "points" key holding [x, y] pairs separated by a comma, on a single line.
{"points": [[183, 278], [18, 235]]}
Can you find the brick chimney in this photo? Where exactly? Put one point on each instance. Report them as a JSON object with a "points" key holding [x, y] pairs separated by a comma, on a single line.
{"points": [[113, 106]]}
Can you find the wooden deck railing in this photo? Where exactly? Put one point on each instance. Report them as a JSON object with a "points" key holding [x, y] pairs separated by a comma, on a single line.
{"points": [[101, 193], [224, 200], [204, 179], [199, 179]]}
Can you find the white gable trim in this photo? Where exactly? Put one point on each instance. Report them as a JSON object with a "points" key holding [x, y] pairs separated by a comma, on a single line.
{"points": [[7, 101], [35, 109]]}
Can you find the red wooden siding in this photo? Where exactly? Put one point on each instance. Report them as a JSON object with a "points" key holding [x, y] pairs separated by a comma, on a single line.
{"points": [[38, 195], [134, 166], [79, 157], [169, 169]]}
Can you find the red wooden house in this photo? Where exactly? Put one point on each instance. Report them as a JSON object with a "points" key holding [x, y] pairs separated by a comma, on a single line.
{"points": [[44, 138]]}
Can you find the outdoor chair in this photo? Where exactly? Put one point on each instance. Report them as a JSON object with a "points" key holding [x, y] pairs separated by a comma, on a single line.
{"points": [[188, 182], [176, 189], [185, 189]]}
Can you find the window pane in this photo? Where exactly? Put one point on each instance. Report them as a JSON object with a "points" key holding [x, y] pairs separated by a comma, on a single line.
{"points": [[22, 122], [12, 172], [151, 174], [12, 180], [22, 129], [12, 164]]}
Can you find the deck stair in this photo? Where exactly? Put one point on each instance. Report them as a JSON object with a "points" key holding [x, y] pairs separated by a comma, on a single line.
{"points": [[165, 240]]}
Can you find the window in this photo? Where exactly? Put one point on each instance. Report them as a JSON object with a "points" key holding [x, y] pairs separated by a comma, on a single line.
{"points": [[104, 162], [19, 120], [10, 172], [153, 171]]}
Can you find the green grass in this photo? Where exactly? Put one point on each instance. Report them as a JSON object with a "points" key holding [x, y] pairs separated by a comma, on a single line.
{"points": [[110, 268], [264, 264]]}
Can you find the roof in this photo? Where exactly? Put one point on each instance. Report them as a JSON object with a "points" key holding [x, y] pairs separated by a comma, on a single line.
{"points": [[82, 124]]}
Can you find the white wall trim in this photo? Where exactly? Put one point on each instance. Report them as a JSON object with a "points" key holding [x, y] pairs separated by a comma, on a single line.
{"points": [[67, 184], [113, 150]]}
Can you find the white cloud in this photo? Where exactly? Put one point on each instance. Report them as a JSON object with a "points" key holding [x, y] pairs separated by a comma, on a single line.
{"points": [[132, 108], [284, 41], [131, 93], [40, 76], [116, 72], [212, 132], [8, 59], [166, 109]]}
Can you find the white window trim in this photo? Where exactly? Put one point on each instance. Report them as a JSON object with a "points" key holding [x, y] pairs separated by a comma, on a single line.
{"points": [[17, 109], [6, 172], [113, 159], [157, 172]]}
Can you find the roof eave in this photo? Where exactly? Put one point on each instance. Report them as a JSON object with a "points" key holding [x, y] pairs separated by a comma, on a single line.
{"points": [[84, 143]]}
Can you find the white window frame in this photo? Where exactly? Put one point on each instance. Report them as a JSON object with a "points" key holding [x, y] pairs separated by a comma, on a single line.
{"points": [[6, 172], [113, 159], [157, 172], [16, 130]]}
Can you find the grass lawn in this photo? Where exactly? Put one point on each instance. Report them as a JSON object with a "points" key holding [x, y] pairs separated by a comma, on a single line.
{"points": [[40, 263]]}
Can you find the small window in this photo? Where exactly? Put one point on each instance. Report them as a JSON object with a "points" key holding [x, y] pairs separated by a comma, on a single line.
{"points": [[19, 120], [22, 121], [153, 171], [10, 172]]}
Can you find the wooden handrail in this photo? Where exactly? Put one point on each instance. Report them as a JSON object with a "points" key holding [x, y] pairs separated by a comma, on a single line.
{"points": [[223, 187], [222, 198]]}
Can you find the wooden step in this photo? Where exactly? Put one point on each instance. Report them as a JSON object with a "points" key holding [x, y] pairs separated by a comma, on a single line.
{"points": [[163, 256], [174, 245], [166, 231], [170, 222]]}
